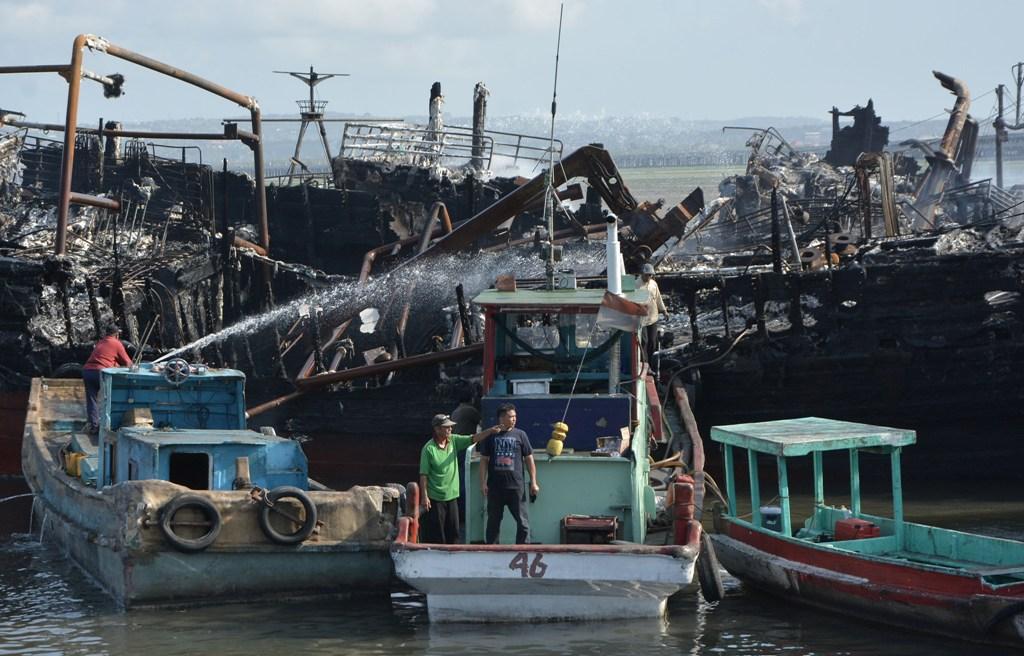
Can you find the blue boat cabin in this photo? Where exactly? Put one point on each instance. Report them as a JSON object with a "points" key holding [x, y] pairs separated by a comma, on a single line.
{"points": [[190, 431]]}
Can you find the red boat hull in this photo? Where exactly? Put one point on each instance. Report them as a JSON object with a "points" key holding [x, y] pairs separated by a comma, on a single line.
{"points": [[932, 599]]}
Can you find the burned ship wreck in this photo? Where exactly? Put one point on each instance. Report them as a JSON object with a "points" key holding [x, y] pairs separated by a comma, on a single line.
{"points": [[113, 224], [862, 286]]}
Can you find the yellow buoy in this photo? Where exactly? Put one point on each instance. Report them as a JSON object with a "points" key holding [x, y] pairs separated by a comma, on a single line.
{"points": [[554, 447], [557, 435], [559, 431]]}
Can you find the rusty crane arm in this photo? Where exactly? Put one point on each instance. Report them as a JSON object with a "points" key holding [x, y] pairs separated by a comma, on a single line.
{"points": [[591, 162]]}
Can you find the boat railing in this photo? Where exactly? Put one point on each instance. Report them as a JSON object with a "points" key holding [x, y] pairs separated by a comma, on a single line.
{"points": [[452, 146]]}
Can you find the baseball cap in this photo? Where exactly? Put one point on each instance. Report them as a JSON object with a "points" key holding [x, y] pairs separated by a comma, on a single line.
{"points": [[441, 420]]}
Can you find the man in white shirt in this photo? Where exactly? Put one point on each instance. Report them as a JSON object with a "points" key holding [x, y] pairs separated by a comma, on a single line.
{"points": [[655, 306]]}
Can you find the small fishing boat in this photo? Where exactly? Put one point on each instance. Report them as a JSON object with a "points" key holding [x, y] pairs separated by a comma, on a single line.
{"points": [[882, 569], [176, 502], [575, 378]]}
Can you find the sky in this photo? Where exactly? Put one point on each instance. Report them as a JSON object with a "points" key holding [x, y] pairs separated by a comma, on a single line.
{"points": [[692, 59]]}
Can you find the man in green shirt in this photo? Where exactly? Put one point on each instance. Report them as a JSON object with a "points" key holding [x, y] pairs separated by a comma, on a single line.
{"points": [[439, 480]]}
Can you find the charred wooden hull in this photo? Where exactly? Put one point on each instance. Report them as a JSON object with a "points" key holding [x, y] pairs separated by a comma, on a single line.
{"points": [[910, 338]]}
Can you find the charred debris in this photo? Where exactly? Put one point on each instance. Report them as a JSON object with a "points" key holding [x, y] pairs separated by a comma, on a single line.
{"points": [[863, 284], [879, 284], [98, 223]]}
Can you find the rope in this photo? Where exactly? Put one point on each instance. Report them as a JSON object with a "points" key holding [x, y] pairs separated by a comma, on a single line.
{"points": [[583, 359]]}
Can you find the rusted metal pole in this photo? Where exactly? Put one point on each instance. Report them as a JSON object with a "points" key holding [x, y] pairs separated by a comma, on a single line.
{"points": [[40, 68], [323, 380], [238, 242], [74, 78], [95, 201], [261, 185]]}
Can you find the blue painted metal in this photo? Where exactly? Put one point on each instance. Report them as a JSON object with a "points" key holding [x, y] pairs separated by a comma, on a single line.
{"points": [[730, 480], [819, 479], [203, 416], [755, 488], [589, 416], [787, 520], [897, 496], [144, 454], [855, 481]]}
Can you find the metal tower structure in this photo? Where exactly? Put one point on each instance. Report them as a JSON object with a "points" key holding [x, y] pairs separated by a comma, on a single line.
{"points": [[310, 111]]}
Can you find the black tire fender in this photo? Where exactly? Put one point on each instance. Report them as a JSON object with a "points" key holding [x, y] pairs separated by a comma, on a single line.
{"points": [[204, 505], [708, 574], [308, 524], [67, 370]]}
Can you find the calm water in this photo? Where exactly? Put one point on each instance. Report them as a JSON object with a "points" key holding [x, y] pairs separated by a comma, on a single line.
{"points": [[47, 606]]}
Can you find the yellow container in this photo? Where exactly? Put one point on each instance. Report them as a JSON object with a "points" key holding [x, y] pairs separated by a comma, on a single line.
{"points": [[554, 447], [73, 463]]}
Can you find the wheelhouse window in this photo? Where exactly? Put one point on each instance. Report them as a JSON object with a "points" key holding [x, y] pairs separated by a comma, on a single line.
{"points": [[191, 470]]}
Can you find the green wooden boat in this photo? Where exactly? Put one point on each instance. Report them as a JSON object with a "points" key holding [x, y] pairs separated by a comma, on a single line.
{"points": [[879, 568]]}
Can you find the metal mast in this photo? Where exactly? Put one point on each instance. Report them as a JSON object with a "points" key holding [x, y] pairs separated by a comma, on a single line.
{"points": [[310, 111], [549, 192]]}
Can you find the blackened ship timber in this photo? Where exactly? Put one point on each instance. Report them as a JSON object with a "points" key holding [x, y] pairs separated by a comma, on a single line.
{"points": [[904, 336]]}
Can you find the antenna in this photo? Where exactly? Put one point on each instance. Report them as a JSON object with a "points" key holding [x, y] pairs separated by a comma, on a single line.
{"points": [[549, 192], [311, 111]]}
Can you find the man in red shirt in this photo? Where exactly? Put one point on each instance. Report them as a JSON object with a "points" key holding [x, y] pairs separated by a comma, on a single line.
{"points": [[109, 352]]}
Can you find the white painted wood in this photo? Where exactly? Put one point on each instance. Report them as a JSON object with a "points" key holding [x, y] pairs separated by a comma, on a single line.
{"points": [[499, 586]]}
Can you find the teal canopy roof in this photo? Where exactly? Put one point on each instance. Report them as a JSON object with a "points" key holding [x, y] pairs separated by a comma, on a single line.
{"points": [[797, 437]]}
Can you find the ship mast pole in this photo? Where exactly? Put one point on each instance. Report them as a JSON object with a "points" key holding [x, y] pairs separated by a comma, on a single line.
{"points": [[549, 192], [1018, 73]]}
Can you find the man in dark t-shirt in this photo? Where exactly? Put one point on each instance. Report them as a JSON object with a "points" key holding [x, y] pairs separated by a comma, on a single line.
{"points": [[501, 475]]}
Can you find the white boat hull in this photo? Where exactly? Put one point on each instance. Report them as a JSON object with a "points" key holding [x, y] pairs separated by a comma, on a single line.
{"points": [[492, 583]]}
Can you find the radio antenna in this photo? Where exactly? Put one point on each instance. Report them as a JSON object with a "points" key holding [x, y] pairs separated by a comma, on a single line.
{"points": [[549, 191]]}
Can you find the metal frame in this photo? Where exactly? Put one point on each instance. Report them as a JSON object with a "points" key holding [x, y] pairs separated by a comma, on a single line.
{"points": [[73, 72]]}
